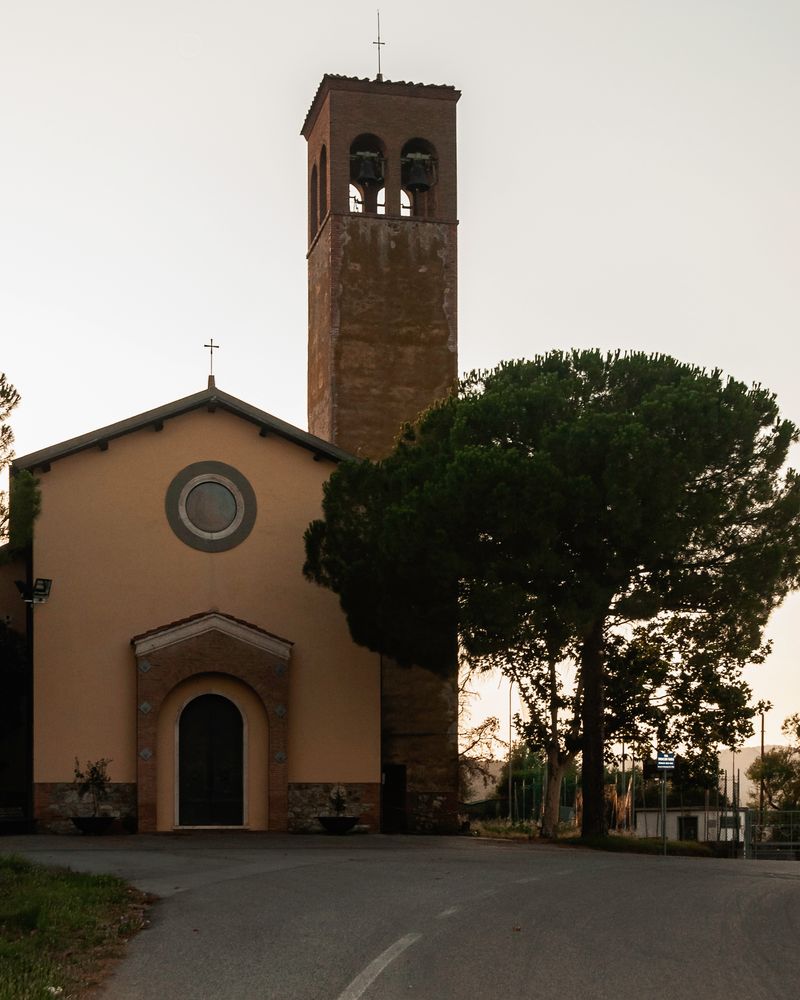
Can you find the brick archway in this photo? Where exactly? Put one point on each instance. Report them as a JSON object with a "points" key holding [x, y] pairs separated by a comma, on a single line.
{"points": [[220, 644]]}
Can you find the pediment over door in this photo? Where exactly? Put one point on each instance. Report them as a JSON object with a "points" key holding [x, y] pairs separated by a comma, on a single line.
{"points": [[210, 621]]}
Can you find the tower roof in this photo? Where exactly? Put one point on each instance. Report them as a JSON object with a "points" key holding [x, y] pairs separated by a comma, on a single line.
{"points": [[333, 81]]}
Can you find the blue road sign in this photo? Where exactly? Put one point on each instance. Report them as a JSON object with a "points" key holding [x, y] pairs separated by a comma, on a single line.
{"points": [[665, 761]]}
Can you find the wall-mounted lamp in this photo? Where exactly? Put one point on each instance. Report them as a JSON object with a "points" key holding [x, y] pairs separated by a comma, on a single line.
{"points": [[38, 593]]}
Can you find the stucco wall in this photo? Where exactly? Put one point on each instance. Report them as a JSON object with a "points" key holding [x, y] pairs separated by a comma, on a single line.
{"points": [[119, 571]]}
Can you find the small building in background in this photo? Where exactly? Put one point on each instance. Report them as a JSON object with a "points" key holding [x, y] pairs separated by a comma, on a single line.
{"points": [[705, 825]]}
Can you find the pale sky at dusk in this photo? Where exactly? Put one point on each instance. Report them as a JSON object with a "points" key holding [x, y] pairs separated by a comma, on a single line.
{"points": [[628, 178]]}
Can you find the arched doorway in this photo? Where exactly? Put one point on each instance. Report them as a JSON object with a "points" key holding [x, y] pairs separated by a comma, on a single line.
{"points": [[210, 763]]}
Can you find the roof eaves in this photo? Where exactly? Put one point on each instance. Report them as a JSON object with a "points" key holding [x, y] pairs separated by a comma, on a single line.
{"points": [[337, 81], [211, 398]]}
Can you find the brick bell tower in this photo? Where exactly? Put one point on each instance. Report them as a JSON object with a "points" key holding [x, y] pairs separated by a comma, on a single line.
{"points": [[382, 346]]}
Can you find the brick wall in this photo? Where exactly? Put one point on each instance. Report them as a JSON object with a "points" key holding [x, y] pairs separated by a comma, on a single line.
{"points": [[159, 671], [382, 347]]}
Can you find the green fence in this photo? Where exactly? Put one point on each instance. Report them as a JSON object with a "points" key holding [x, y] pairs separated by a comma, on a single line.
{"points": [[774, 835]]}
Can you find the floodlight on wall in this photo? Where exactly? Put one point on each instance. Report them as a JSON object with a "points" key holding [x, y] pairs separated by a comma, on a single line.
{"points": [[36, 594]]}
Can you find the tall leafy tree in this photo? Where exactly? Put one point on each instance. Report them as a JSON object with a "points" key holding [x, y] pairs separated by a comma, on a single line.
{"points": [[571, 496], [16, 523], [9, 397], [779, 770], [660, 691], [477, 745]]}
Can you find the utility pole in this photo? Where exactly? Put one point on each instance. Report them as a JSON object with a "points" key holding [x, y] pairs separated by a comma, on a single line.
{"points": [[761, 784], [510, 747]]}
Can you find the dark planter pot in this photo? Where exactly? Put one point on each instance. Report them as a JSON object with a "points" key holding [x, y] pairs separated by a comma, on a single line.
{"points": [[93, 825], [338, 824]]}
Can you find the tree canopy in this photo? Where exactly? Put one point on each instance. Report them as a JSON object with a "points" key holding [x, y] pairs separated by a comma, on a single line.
{"points": [[568, 499], [657, 694], [9, 397], [16, 523], [779, 770]]}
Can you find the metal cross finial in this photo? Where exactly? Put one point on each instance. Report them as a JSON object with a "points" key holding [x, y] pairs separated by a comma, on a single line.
{"points": [[211, 348], [379, 77]]}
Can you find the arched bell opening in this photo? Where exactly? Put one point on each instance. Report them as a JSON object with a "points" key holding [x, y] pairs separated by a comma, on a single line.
{"points": [[367, 173], [418, 178], [323, 184], [313, 212]]}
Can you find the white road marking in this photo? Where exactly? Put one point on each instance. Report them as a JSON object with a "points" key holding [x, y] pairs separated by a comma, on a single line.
{"points": [[365, 979], [524, 881], [447, 913]]}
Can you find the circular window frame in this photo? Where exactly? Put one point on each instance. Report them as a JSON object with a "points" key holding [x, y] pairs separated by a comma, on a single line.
{"points": [[237, 485], [227, 484]]}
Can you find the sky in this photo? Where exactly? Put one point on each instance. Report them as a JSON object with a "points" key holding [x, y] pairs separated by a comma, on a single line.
{"points": [[628, 178]]}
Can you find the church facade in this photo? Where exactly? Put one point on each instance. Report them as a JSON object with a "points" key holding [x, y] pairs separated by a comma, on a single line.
{"points": [[180, 639]]}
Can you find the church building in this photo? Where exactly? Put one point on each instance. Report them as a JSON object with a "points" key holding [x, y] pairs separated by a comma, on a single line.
{"points": [[169, 626]]}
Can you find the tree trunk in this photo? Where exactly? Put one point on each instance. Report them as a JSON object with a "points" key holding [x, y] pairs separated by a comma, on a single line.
{"points": [[552, 801], [593, 770], [555, 766]]}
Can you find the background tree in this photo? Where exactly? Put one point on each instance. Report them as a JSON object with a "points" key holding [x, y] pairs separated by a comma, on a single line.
{"points": [[24, 509], [9, 397], [477, 745], [661, 691], [551, 693], [780, 770], [528, 783], [582, 492]]}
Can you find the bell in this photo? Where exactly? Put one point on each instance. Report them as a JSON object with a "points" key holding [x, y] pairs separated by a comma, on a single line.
{"points": [[418, 177], [367, 175]]}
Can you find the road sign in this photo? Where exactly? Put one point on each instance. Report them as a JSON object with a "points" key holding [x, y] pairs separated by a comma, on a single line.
{"points": [[665, 761]]}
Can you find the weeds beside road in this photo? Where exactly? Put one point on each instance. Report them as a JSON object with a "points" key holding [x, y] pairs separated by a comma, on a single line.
{"points": [[505, 830], [58, 929]]}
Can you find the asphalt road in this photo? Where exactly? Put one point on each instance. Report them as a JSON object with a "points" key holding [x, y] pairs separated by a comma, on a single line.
{"points": [[265, 917]]}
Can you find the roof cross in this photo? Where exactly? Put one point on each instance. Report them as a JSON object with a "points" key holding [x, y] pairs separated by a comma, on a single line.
{"points": [[379, 77], [211, 348]]}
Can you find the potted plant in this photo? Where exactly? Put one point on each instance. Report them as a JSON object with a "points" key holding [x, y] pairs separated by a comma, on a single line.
{"points": [[338, 822], [93, 781]]}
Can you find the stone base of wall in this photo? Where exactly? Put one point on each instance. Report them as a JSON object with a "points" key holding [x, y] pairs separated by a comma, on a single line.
{"points": [[308, 800], [432, 812], [56, 802]]}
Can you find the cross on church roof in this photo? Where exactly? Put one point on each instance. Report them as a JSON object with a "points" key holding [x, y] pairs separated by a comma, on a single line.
{"points": [[379, 77], [211, 348]]}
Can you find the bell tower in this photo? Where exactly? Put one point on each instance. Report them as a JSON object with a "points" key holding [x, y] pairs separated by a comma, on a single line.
{"points": [[382, 325], [382, 347]]}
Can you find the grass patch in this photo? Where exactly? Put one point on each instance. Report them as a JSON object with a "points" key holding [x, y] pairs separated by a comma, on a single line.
{"points": [[644, 845], [504, 829], [59, 928]]}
